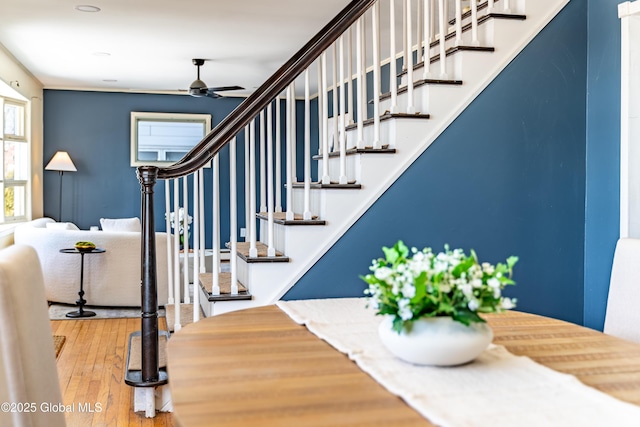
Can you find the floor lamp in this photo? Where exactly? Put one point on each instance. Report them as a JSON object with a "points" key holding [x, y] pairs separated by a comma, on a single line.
{"points": [[61, 162]]}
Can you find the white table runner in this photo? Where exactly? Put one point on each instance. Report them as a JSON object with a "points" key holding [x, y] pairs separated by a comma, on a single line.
{"points": [[497, 389]]}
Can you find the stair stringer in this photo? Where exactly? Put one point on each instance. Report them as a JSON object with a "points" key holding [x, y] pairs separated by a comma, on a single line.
{"points": [[305, 245]]}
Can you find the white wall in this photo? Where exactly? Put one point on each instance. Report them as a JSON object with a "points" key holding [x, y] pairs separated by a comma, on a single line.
{"points": [[11, 71]]}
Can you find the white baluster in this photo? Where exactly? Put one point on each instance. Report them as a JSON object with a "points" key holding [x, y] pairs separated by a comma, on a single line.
{"points": [[253, 250], [196, 246], [474, 23], [426, 21], [411, 109], [307, 148], [443, 28], [489, 6], [360, 70], [167, 224], [342, 114], [350, 75], [393, 68], [320, 100], [263, 169], [458, 22], [405, 45], [288, 154], [334, 140], [278, 207], [247, 191], [507, 6], [419, 28], [294, 147], [215, 227], [185, 244], [376, 74], [271, 251], [363, 50], [202, 221], [215, 281], [233, 215], [176, 254], [324, 113]]}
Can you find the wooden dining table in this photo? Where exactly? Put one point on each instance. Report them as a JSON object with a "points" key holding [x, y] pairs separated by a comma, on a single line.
{"points": [[257, 367]]}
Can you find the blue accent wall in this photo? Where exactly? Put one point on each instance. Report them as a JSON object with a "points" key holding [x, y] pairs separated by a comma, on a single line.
{"points": [[94, 127], [506, 178], [602, 207]]}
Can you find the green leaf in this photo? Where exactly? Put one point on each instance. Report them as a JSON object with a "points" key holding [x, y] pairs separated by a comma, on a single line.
{"points": [[463, 266], [402, 249], [467, 316], [398, 324]]}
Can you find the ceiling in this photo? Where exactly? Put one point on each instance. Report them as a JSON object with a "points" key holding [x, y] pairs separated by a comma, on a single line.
{"points": [[148, 45]]}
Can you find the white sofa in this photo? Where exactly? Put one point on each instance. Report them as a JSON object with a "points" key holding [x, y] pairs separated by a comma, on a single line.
{"points": [[111, 279]]}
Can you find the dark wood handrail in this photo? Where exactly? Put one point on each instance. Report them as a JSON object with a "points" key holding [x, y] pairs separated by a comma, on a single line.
{"points": [[229, 127], [203, 152]]}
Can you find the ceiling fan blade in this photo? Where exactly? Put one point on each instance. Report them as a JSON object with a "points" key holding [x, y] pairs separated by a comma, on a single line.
{"points": [[224, 88]]}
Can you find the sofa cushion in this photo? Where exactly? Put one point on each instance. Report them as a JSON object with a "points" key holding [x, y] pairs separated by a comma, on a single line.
{"points": [[62, 226], [120, 224]]}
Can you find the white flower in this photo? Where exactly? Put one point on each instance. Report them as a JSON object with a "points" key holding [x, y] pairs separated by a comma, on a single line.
{"points": [[409, 290], [493, 283], [440, 266], [172, 220], [487, 268], [476, 283], [473, 304], [383, 273], [507, 303], [404, 310], [467, 290]]}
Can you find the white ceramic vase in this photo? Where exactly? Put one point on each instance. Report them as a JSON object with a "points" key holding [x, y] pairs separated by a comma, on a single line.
{"points": [[436, 341]]}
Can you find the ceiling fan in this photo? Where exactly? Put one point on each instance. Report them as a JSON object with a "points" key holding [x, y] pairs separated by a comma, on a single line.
{"points": [[199, 88]]}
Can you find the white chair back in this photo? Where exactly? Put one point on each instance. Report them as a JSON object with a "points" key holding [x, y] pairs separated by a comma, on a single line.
{"points": [[28, 372], [623, 316]]}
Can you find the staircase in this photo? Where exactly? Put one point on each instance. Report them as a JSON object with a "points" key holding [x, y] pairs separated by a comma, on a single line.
{"points": [[345, 187], [361, 140]]}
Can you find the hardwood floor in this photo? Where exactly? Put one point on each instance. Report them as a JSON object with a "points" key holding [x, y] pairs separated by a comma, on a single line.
{"points": [[91, 371]]}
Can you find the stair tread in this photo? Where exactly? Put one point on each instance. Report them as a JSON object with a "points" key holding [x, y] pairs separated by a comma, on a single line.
{"points": [[243, 252], [351, 185], [421, 82], [281, 218], [367, 149], [224, 281], [451, 51], [387, 116]]}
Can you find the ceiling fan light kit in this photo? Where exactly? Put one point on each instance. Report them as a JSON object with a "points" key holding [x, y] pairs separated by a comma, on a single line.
{"points": [[199, 88]]}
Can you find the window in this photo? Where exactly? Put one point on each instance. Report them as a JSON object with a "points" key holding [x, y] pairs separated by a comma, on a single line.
{"points": [[14, 179], [164, 138]]}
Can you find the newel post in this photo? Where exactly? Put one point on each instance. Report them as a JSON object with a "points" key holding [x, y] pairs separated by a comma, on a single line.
{"points": [[147, 175]]}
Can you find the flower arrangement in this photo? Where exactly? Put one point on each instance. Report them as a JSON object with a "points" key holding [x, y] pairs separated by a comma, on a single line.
{"points": [[172, 220], [426, 284]]}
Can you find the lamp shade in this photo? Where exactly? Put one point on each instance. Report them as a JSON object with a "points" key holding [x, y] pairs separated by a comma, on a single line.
{"points": [[61, 162]]}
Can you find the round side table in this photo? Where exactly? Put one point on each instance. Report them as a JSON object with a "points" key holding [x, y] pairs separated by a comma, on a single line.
{"points": [[81, 301]]}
